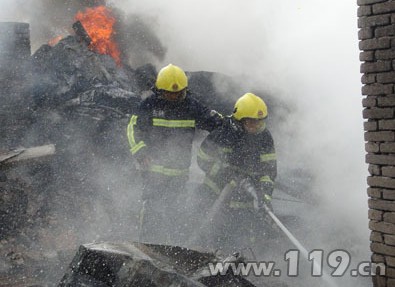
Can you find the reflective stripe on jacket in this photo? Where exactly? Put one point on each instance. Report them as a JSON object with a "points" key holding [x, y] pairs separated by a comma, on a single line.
{"points": [[164, 131], [229, 153]]}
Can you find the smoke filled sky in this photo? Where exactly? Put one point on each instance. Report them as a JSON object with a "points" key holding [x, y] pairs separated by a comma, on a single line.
{"points": [[303, 52]]}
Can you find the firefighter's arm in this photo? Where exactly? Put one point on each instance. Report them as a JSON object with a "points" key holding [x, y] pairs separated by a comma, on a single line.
{"points": [[208, 154], [268, 165], [207, 119], [212, 158], [138, 139]]}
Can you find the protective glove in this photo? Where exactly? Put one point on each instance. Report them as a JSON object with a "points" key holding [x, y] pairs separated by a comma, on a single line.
{"points": [[218, 118], [246, 184], [267, 200], [259, 196], [266, 187], [265, 193]]}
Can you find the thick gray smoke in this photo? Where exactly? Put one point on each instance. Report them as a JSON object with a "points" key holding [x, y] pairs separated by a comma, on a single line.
{"points": [[303, 54]]}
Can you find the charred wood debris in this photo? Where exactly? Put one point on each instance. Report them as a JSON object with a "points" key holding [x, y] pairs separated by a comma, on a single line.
{"points": [[63, 113]]}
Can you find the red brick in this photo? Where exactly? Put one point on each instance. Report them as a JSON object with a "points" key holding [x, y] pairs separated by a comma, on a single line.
{"points": [[369, 101], [365, 33], [385, 78], [367, 56], [390, 261], [387, 147], [381, 248], [376, 236], [377, 89], [382, 8], [381, 268], [389, 239], [386, 205], [370, 126], [387, 125], [372, 21], [376, 67], [386, 101], [385, 54], [364, 11], [366, 2], [382, 136], [375, 215], [379, 281], [380, 159], [383, 31], [380, 226], [388, 171], [378, 113], [376, 258], [388, 194], [375, 44], [389, 272], [381, 181], [374, 170], [368, 78], [371, 147], [389, 217], [375, 193]]}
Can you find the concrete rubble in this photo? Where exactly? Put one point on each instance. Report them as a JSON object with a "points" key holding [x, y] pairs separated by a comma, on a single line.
{"points": [[138, 264]]}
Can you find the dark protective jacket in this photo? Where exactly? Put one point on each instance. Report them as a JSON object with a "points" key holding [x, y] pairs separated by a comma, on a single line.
{"points": [[229, 153], [164, 131]]}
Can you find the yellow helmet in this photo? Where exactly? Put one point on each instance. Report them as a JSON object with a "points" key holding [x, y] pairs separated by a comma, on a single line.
{"points": [[171, 78], [250, 106]]}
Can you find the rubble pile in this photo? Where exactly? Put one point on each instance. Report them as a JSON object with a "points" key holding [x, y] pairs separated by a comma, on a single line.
{"points": [[69, 68], [137, 264]]}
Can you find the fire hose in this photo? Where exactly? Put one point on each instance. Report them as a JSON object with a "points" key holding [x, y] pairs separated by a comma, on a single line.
{"points": [[261, 206]]}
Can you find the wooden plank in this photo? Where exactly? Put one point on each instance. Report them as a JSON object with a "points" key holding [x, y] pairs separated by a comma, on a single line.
{"points": [[26, 154], [9, 154]]}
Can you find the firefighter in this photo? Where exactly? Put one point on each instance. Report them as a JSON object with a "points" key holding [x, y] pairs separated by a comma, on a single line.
{"points": [[160, 135], [242, 151]]}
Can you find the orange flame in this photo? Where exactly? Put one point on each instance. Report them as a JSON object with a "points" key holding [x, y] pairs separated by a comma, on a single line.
{"points": [[99, 24], [54, 40]]}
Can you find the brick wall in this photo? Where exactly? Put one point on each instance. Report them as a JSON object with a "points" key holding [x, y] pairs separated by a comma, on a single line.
{"points": [[376, 23]]}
